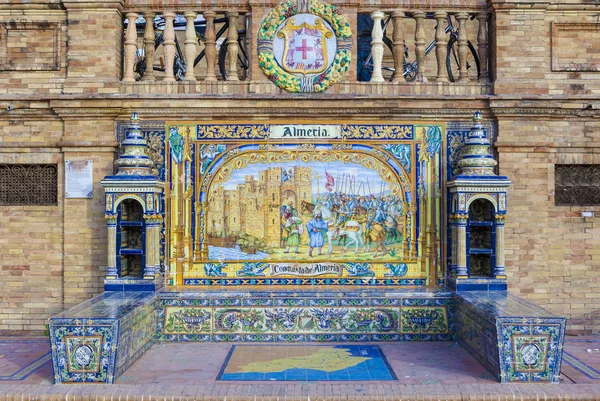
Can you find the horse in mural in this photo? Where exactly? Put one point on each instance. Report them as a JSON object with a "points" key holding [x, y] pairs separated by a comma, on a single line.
{"points": [[372, 231]]}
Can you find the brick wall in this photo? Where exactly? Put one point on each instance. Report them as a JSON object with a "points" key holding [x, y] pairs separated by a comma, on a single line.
{"points": [[552, 252]]}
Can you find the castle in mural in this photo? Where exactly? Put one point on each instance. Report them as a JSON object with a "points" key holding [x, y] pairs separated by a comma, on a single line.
{"points": [[255, 206]]}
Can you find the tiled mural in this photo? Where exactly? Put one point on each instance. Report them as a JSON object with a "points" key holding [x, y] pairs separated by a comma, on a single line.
{"points": [[267, 204]]}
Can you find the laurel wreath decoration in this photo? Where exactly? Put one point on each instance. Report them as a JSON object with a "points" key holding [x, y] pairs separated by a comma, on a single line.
{"points": [[293, 83]]}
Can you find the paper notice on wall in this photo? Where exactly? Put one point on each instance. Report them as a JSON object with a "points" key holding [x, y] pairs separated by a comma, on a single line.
{"points": [[78, 179]]}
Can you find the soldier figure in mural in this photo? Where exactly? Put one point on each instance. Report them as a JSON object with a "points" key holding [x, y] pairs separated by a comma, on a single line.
{"points": [[292, 228], [316, 228]]}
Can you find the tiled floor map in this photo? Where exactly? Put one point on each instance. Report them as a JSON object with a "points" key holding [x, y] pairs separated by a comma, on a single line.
{"points": [[306, 362]]}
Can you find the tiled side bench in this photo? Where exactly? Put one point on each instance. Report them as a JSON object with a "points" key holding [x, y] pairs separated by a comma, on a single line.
{"points": [[98, 340], [514, 339]]}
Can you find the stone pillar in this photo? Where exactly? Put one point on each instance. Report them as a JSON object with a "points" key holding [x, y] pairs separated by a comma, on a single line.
{"points": [[441, 46], [419, 17], [499, 271], [463, 48], [130, 47], [169, 46], [453, 247], [377, 46], [149, 50], [461, 245], [190, 45], [398, 45], [210, 45], [232, 46], [482, 46], [111, 268]]}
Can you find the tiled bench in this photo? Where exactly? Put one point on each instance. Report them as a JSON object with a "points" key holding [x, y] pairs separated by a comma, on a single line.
{"points": [[514, 339], [96, 341]]}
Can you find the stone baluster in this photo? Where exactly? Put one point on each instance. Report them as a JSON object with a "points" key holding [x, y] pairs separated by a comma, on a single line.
{"points": [[210, 40], [441, 46], [190, 45], [398, 45], [482, 46], [232, 45], [377, 46], [149, 46], [130, 47], [462, 46], [169, 46], [419, 17]]}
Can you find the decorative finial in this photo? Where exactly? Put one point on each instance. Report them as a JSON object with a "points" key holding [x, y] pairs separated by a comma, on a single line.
{"points": [[134, 160], [475, 157]]}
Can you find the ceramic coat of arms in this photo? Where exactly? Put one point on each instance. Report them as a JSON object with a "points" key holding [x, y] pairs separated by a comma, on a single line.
{"points": [[304, 46]]}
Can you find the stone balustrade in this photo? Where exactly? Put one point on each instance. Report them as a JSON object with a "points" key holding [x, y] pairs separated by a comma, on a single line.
{"points": [[421, 49], [460, 55], [188, 46]]}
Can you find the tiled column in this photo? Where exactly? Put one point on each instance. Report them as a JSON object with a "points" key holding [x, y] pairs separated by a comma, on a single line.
{"points": [[461, 241], [111, 269], [499, 271], [210, 45], [398, 45], [232, 46], [377, 46], [169, 46], [441, 43], [130, 47], [190, 45], [149, 38]]}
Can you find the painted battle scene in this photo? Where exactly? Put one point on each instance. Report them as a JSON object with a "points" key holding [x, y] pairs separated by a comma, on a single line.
{"points": [[297, 211]]}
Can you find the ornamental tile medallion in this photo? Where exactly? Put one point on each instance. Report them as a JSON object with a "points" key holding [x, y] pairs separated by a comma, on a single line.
{"points": [[304, 46]]}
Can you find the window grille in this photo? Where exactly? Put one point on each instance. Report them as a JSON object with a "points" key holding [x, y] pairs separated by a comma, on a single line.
{"points": [[577, 184], [28, 184]]}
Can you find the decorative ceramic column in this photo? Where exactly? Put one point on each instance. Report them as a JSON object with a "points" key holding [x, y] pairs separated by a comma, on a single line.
{"points": [[130, 47], [441, 44], [169, 46], [463, 48], [398, 45], [111, 268], [232, 46], [135, 182], [190, 45], [482, 46], [499, 271], [149, 50], [377, 46], [210, 40], [475, 180], [419, 17]]}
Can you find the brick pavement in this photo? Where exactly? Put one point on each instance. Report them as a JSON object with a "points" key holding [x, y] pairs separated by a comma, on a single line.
{"points": [[186, 372]]}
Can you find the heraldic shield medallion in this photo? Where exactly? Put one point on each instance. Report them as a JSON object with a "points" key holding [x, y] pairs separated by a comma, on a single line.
{"points": [[304, 45]]}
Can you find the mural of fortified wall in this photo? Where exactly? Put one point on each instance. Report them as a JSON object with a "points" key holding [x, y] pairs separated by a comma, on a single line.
{"points": [[304, 204]]}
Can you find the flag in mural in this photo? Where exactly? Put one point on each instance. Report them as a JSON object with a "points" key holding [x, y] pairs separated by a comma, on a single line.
{"points": [[330, 182]]}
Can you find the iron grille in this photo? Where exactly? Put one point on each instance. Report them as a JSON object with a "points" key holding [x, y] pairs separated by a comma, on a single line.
{"points": [[28, 184], [577, 184]]}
